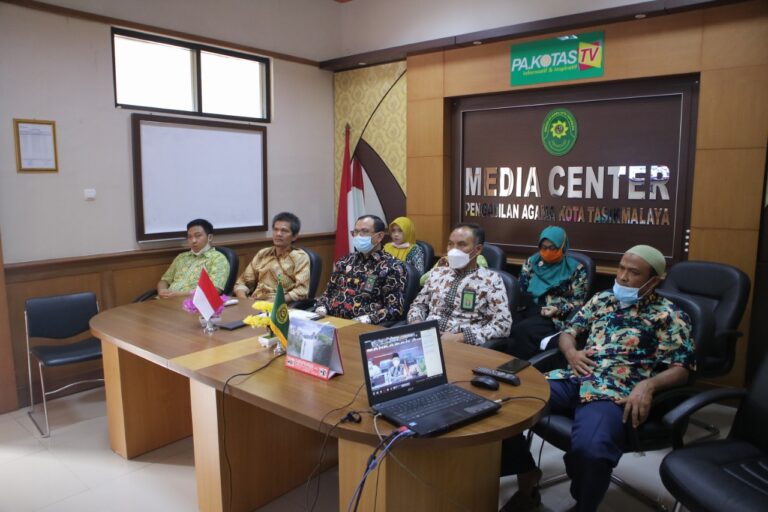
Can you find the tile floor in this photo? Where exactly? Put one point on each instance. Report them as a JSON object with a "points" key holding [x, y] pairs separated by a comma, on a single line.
{"points": [[75, 471]]}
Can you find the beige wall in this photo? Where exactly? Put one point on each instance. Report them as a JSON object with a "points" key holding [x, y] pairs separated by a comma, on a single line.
{"points": [[726, 45], [58, 68]]}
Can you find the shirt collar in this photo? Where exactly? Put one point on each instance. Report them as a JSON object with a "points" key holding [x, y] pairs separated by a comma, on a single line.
{"points": [[651, 298], [464, 272], [202, 251], [375, 254], [273, 251]]}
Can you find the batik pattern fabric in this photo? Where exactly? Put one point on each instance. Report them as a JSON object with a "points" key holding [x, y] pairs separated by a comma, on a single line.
{"points": [[628, 344], [372, 285], [472, 302], [184, 272], [259, 279], [567, 297]]}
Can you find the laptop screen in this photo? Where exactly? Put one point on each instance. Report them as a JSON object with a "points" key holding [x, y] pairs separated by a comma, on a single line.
{"points": [[402, 360]]}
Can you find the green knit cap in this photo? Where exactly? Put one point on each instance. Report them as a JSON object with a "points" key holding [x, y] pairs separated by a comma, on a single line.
{"points": [[652, 256]]}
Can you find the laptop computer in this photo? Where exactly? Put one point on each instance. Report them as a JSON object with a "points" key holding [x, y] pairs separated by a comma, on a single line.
{"points": [[406, 381]]}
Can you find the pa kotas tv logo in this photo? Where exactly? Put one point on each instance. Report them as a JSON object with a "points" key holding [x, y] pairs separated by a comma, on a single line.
{"points": [[587, 56], [590, 55], [570, 57]]}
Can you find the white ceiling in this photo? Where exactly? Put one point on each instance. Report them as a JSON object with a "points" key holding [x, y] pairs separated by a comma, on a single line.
{"points": [[325, 29]]}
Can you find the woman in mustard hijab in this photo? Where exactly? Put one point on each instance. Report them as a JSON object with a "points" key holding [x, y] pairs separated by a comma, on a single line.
{"points": [[403, 245], [553, 285]]}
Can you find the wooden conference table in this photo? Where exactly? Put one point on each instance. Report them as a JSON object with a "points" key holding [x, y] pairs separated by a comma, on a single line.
{"points": [[164, 380]]}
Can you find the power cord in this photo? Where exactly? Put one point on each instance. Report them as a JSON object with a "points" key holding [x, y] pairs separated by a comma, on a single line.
{"points": [[224, 421], [375, 459], [438, 491], [352, 416]]}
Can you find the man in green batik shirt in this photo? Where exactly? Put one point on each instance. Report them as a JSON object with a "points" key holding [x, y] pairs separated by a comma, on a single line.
{"points": [[182, 276], [637, 344]]}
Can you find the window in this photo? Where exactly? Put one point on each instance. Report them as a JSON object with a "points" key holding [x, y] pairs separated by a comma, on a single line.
{"points": [[156, 73]]}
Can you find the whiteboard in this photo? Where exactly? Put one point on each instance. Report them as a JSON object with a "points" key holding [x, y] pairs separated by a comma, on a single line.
{"points": [[186, 169]]}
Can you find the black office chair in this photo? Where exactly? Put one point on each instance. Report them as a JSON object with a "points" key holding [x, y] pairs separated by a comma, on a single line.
{"points": [[234, 267], [412, 288], [513, 297], [58, 318], [727, 474], [429, 254], [589, 266], [315, 270], [653, 434], [495, 256], [722, 291]]}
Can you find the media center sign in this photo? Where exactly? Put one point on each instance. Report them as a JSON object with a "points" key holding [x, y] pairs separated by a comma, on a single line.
{"points": [[571, 57]]}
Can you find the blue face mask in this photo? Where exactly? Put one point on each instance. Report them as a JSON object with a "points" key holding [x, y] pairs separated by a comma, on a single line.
{"points": [[627, 296], [363, 244]]}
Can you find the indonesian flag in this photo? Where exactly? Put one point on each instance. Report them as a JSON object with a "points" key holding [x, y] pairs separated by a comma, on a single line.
{"points": [[351, 201], [206, 298]]}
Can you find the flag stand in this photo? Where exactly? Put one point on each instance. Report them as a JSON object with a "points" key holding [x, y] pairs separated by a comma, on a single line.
{"points": [[210, 327]]}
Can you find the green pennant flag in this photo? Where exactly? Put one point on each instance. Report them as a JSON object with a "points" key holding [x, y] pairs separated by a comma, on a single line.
{"points": [[279, 319]]}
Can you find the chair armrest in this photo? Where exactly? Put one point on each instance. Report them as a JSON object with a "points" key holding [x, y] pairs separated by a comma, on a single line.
{"points": [[544, 357], [149, 294], [305, 304], [394, 323], [728, 334], [683, 411], [497, 344]]}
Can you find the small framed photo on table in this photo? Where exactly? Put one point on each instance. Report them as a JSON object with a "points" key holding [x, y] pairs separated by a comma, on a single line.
{"points": [[35, 145]]}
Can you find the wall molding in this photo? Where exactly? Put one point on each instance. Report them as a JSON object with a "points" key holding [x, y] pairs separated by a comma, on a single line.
{"points": [[116, 279], [98, 18]]}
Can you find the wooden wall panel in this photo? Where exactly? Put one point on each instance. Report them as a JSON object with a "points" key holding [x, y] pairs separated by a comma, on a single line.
{"points": [[116, 279], [435, 229], [736, 247], [426, 138], [477, 69], [726, 45], [666, 45], [724, 191], [429, 186], [8, 399], [735, 36], [426, 79], [733, 108], [658, 46], [135, 281]]}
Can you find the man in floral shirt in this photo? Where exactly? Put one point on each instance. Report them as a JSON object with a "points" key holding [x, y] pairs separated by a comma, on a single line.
{"points": [[369, 284], [637, 343], [469, 302]]}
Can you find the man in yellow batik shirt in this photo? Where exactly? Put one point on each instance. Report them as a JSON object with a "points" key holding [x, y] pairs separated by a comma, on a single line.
{"points": [[259, 280], [182, 276]]}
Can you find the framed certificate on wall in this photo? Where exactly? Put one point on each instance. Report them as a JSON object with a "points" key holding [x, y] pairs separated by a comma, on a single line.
{"points": [[35, 145]]}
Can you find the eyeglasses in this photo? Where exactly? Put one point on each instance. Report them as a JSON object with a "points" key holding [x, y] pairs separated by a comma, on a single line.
{"points": [[362, 232]]}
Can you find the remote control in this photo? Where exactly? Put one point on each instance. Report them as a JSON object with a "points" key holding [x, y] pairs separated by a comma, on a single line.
{"points": [[509, 378]]}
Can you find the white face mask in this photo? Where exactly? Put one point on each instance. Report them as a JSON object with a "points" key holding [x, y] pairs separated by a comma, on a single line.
{"points": [[457, 258]]}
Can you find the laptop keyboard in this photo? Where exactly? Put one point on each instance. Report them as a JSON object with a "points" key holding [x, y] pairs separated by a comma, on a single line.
{"points": [[420, 406]]}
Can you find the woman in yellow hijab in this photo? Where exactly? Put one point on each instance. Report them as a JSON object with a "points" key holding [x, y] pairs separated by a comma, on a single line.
{"points": [[403, 245]]}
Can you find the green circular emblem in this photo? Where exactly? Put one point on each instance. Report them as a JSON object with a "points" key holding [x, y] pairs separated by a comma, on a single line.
{"points": [[282, 313], [559, 131]]}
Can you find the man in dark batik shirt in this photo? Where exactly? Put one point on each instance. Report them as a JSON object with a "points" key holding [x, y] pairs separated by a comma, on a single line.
{"points": [[369, 284], [638, 343]]}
